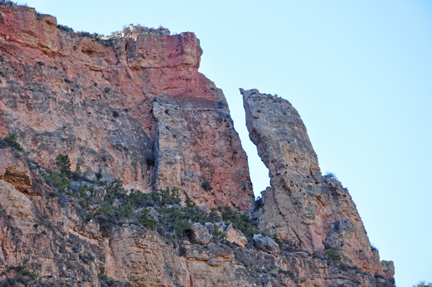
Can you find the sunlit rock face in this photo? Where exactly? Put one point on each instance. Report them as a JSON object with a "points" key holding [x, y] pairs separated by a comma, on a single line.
{"points": [[58, 245], [312, 211], [133, 107]]}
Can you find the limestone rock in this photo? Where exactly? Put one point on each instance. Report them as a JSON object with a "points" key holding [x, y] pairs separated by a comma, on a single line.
{"points": [[235, 236], [133, 107], [266, 244], [40, 230], [310, 210], [200, 234]]}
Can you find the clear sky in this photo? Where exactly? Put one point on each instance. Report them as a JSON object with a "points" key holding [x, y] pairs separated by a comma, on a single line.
{"points": [[358, 72]]}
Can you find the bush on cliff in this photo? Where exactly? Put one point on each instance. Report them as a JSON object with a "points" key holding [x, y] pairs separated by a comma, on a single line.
{"points": [[8, 3], [160, 210], [11, 141], [333, 255], [63, 162]]}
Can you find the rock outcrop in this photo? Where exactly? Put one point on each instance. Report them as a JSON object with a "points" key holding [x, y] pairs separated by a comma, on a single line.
{"points": [[311, 211], [46, 238], [14, 169], [133, 107]]}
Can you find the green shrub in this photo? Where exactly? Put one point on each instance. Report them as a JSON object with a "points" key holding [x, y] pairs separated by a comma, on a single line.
{"points": [[189, 202], [102, 273], [78, 168], [58, 180], [218, 235], [64, 28], [239, 221], [145, 220], [333, 255], [63, 162], [23, 270], [278, 241], [12, 142]]}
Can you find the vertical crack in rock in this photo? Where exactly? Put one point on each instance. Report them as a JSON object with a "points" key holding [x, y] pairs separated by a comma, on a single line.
{"points": [[107, 103], [312, 211]]}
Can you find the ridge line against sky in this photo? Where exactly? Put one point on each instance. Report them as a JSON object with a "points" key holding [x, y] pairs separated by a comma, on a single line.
{"points": [[359, 73]]}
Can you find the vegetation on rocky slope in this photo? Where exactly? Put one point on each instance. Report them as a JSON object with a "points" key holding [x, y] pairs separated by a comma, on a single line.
{"points": [[109, 204]]}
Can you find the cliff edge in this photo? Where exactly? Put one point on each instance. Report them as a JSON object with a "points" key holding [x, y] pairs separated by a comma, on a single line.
{"points": [[120, 166], [133, 106]]}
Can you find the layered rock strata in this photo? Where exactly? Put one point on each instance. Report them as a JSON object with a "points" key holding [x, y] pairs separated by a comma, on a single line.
{"points": [[133, 106], [49, 236], [312, 211]]}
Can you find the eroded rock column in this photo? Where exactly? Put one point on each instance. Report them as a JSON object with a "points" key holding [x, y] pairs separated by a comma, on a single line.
{"points": [[312, 211]]}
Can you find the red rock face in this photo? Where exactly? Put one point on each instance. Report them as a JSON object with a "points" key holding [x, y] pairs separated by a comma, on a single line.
{"points": [[134, 107]]}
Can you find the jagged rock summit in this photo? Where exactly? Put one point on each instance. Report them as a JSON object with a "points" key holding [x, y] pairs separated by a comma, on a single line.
{"points": [[312, 211], [153, 185]]}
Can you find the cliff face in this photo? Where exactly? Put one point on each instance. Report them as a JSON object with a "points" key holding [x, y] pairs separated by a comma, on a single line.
{"points": [[312, 211], [133, 107], [48, 237]]}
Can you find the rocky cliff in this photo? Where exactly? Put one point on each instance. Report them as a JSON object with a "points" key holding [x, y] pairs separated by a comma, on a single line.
{"points": [[312, 211], [134, 107], [46, 240]]}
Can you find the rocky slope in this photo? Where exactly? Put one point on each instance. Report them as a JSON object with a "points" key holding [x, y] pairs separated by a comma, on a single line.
{"points": [[134, 106], [312, 211], [46, 241]]}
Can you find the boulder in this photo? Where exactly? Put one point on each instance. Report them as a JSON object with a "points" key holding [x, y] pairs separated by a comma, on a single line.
{"points": [[266, 244], [200, 234], [235, 236]]}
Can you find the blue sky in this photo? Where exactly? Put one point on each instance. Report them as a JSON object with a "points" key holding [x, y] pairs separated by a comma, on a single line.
{"points": [[358, 72]]}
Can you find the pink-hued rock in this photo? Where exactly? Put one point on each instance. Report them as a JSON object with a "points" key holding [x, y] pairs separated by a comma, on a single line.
{"points": [[54, 239], [133, 107], [311, 211]]}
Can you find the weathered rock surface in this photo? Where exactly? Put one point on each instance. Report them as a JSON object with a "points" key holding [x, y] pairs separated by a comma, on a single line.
{"points": [[133, 107], [14, 169], [200, 234], [57, 244], [266, 244], [312, 211], [235, 236]]}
